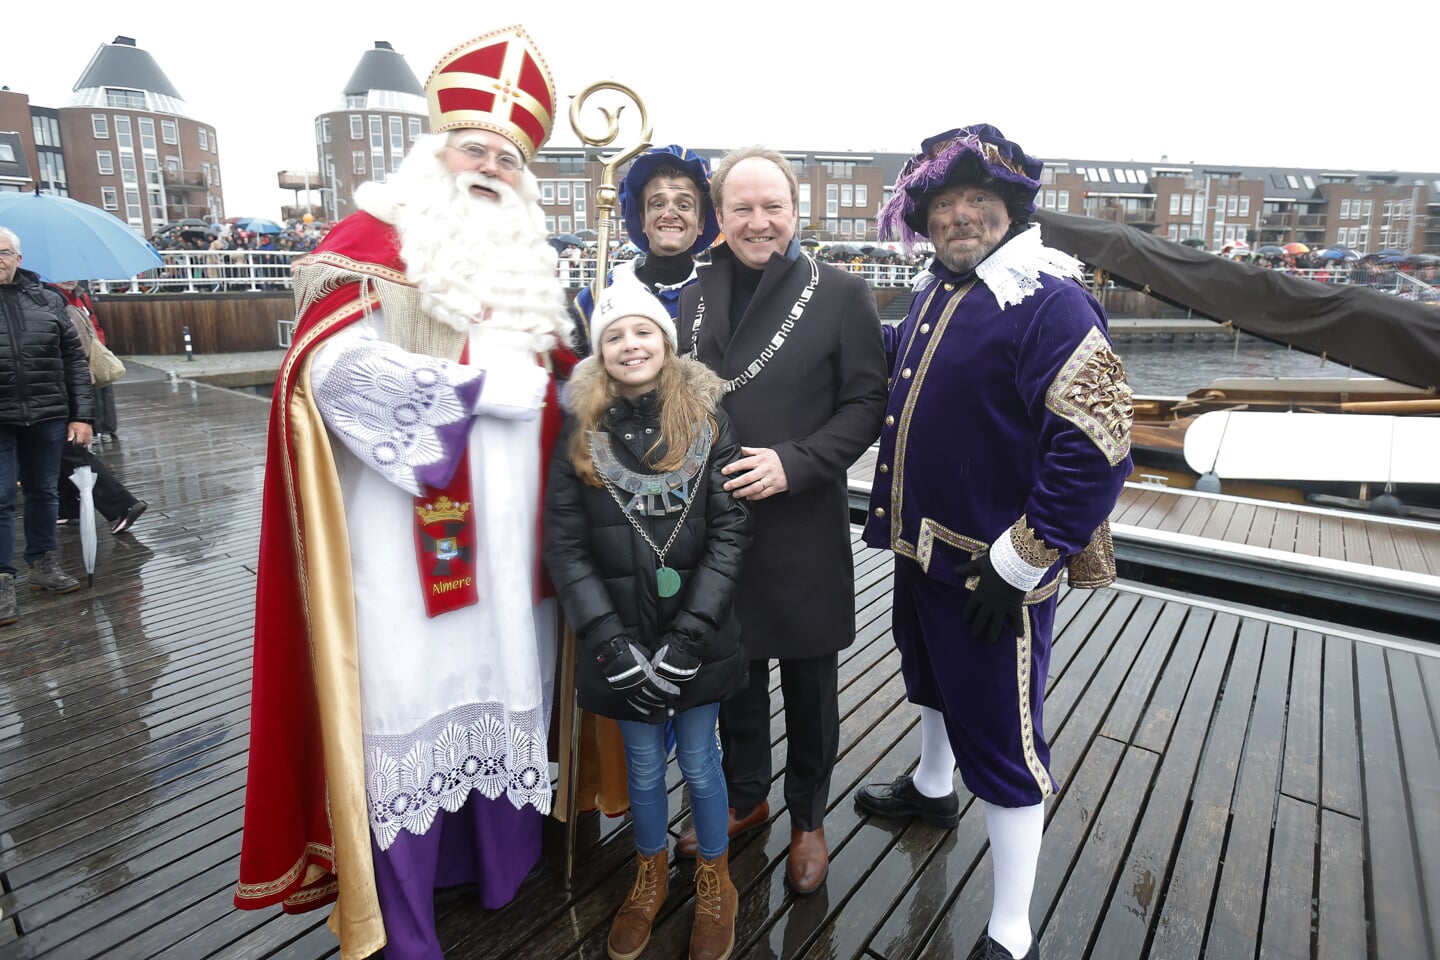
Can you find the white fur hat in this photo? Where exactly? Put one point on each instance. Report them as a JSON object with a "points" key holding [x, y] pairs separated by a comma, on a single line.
{"points": [[627, 297]]}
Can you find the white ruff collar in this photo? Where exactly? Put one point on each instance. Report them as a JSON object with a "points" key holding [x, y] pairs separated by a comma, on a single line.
{"points": [[1013, 271]]}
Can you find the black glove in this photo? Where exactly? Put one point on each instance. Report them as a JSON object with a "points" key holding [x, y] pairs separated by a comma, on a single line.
{"points": [[626, 666], [994, 603], [674, 664], [623, 663]]}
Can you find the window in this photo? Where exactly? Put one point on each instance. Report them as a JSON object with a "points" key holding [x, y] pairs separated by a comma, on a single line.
{"points": [[357, 161], [355, 101], [804, 201], [1174, 204], [579, 204], [832, 225], [324, 132], [547, 191], [1245, 205], [147, 133], [1173, 232], [1344, 209], [357, 127], [845, 228], [1232, 205], [1386, 209], [397, 137], [109, 199], [862, 196], [132, 205], [215, 171], [847, 195], [127, 167], [564, 224], [205, 137], [105, 162], [1064, 201], [132, 99], [414, 129], [1187, 202], [7, 153], [1364, 241], [549, 224], [377, 167], [1290, 179], [1369, 206], [562, 192], [122, 133], [832, 200], [169, 131], [377, 136], [1309, 182]]}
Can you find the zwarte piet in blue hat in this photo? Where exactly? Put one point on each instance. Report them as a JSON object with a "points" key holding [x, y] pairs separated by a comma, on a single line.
{"points": [[632, 189], [964, 155]]}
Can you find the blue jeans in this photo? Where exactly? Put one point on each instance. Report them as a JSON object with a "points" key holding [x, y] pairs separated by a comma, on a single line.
{"points": [[31, 454], [697, 747]]}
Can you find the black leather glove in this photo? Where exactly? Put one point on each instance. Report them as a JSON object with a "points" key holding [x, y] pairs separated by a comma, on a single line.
{"points": [[994, 603], [672, 663]]}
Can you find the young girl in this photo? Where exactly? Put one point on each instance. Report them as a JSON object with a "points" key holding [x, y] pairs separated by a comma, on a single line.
{"points": [[644, 546]]}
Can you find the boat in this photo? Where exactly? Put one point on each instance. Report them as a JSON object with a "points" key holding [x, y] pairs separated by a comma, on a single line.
{"points": [[1345, 463]]}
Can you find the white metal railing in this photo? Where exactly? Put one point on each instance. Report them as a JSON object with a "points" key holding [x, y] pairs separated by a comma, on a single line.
{"points": [[210, 271], [1392, 282]]}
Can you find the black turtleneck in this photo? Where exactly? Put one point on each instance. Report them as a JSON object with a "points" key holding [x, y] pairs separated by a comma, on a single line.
{"points": [[656, 271], [742, 291]]}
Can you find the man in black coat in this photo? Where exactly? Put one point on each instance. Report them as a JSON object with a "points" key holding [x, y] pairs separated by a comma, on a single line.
{"points": [[799, 345], [45, 402]]}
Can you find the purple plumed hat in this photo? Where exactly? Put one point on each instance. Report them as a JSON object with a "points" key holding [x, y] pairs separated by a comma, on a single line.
{"points": [[962, 155]]}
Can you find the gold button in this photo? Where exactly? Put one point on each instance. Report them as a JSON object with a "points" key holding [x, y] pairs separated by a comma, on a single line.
{"points": [[880, 512], [890, 421], [884, 468], [905, 373], [949, 286], [924, 328]]}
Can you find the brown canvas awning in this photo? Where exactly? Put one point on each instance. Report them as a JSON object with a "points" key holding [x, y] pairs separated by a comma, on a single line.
{"points": [[1381, 334]]}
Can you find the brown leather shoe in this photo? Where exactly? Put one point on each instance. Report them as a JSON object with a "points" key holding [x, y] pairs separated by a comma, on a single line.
{"points": [[713, 936], [809, 862], [630, 931], [687, 846]]}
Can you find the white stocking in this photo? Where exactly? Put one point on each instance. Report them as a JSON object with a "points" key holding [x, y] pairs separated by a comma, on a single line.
{"points": [[1015, 855], [935, 774]]}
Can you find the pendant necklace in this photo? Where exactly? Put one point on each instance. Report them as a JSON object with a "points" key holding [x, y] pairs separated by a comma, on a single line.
{"points": [[776, 342], [667, 579]]}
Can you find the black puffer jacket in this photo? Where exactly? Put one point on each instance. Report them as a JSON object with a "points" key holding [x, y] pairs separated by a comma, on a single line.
{"points": [[43, 371], [604, 571]]}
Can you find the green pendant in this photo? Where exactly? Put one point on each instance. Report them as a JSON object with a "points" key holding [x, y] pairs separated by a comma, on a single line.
{"points": [[667, 582]]}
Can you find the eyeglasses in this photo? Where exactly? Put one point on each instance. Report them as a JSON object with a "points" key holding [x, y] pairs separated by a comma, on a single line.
{"points": [[507, 162], [8, 255]]}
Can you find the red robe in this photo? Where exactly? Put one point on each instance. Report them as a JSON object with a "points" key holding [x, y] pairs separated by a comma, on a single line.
{"points": [[287, 852]]}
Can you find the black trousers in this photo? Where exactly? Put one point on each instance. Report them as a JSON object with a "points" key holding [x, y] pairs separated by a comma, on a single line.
{"points": [[812, 728], [111, 498]]}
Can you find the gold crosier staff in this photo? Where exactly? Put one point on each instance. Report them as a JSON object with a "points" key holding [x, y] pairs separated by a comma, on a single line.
{"points": [[606, 199]]}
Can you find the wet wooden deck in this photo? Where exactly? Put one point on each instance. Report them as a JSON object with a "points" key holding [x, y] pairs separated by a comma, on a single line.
{"points": [[1232, 783]]}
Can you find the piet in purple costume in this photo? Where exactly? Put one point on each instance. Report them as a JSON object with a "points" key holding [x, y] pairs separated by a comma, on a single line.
{"points": [[1005, 445]]}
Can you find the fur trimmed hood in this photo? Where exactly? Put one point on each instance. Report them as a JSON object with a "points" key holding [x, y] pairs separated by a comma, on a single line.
{"points": [[699, 379]]}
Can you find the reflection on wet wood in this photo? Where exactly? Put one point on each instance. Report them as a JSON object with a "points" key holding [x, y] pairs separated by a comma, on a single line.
{"points": [[1215, 768]]}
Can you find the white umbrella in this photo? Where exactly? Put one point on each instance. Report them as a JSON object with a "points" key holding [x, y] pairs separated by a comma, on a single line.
{"points": [[84, 480]]}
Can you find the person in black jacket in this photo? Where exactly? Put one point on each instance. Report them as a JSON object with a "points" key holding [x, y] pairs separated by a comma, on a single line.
{"points": [[644, 546], [45, 401]]}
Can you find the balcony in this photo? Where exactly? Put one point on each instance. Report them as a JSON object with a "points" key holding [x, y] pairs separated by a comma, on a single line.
{"points": [[300, 180], [184, 179], [1312, 221], [1279, 221]]}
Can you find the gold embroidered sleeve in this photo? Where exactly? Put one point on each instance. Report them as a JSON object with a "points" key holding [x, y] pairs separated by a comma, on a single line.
{"points": [[1030, 548], [1090, 391], [1095, 565]]}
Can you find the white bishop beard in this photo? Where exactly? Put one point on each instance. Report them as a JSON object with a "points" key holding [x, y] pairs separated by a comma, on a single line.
{"points": [[469, 254]]}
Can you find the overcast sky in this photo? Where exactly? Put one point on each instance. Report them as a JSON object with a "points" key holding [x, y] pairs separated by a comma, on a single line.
{"points": [[1314, 84]]}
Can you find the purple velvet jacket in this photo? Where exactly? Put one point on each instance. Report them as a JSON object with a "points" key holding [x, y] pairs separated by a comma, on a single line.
{"points": [[997, 414]]}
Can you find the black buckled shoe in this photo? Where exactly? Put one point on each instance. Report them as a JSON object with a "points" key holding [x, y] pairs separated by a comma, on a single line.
{"points": [[899, 800], [987, 949]]}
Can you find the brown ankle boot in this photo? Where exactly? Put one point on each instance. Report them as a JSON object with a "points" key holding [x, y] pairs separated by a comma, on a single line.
{"points": [[715, 899], [630, 931]]}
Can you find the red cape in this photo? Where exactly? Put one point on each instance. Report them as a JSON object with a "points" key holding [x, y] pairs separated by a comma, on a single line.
{"points": [[287, 828]]}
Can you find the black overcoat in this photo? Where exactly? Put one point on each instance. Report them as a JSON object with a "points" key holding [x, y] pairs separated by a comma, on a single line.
{"points": [[818, 403], [604, 571]]}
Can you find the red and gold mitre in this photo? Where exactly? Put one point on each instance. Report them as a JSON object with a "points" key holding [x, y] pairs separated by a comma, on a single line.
{"points": [[496, 82]]}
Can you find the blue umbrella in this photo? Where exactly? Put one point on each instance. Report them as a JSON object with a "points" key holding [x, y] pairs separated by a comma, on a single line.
{"points": [[64, 239], [258, 225]]}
